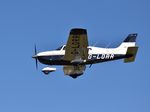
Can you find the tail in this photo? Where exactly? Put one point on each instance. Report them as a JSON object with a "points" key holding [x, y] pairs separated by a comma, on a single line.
{"points": [[131, 54], [130, 41], [129, 44]]}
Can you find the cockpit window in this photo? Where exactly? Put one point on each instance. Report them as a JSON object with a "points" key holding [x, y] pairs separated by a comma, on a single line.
{"points": [[59, 48], [64, 48]]}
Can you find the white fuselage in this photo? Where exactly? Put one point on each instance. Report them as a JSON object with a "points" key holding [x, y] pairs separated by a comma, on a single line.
{"points": [[95, 55]]}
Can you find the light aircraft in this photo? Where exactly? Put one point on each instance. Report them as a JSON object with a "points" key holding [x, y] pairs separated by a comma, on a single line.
{"points": [[76, 54]]}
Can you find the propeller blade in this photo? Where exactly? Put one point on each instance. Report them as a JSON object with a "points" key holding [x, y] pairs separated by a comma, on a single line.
{"points": [[35, 57], [36, 63], [35, 50]]}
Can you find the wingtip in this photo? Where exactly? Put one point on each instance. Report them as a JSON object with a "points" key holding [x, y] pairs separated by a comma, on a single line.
{"points": [[78, 31]]}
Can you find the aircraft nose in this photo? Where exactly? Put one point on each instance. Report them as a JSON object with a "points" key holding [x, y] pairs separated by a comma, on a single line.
{"points": [[35, 56]]}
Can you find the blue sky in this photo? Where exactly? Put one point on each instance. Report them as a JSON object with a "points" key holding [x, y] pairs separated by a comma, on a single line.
{"points": [[105, 87]]}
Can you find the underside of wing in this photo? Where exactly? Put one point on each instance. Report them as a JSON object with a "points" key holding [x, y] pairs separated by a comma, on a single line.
{"points": [[74, 71], [76, 47]]}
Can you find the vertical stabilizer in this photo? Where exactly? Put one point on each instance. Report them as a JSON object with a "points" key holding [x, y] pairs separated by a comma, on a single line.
{"points": [[130, 41]]}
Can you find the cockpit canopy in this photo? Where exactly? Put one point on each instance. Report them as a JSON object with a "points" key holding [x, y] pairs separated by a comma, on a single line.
{"points": [[61, 47]]}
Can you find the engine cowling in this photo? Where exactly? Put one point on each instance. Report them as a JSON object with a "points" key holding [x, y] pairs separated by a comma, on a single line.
{"points": [[47, 70]]}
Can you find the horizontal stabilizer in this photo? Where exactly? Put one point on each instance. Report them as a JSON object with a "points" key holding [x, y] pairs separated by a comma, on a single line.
{"points": [[131, 52]]}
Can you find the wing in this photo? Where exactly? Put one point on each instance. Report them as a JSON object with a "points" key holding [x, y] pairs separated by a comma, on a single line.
{"points": [[74, 71], [76, 47]]}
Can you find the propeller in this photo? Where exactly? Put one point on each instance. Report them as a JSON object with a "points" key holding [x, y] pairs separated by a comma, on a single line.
{"points": [[35, 56]]}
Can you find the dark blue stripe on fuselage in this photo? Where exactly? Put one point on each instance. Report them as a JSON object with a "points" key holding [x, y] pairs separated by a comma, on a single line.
{"points": [[94, 58]]}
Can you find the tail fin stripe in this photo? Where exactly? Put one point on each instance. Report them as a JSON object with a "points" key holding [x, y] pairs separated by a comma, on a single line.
{"points": [[131, 38]]}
